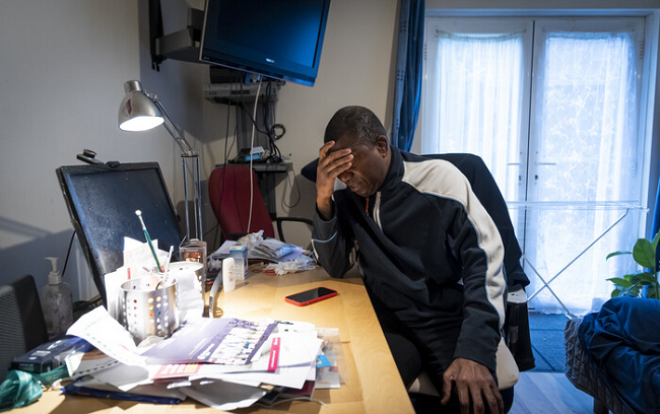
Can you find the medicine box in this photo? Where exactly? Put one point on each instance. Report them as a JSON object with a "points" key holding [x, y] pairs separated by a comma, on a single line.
{"points": [[48, 356]]}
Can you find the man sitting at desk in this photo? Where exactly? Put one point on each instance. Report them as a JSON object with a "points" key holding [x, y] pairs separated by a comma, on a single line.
{"points": [[431, 255]]}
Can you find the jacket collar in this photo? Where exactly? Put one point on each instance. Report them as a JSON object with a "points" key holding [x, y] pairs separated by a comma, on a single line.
{"points": [[394, 172]]}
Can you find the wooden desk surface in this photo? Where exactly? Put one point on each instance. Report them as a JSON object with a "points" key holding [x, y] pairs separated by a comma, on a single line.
{"points": [[373, 384]]}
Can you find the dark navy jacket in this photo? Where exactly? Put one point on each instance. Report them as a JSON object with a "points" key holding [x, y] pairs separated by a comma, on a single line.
{"points": [[428, 250]]}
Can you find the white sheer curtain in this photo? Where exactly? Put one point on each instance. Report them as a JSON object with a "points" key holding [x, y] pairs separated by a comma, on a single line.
{"points": [[476, 101], [568, 152], [584, 136]]}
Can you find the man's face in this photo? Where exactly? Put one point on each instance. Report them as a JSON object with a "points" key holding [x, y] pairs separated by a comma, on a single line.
{"points": [[369, 165]]}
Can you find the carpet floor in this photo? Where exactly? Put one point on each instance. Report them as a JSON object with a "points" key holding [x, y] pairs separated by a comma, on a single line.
{"points": [[547, 337]]}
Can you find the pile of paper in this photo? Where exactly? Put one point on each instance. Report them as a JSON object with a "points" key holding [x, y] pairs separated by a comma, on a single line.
{"points": [[223, 363]]}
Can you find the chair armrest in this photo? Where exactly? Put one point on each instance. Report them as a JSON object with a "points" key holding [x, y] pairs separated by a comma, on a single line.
{"points": [[279, 221]]}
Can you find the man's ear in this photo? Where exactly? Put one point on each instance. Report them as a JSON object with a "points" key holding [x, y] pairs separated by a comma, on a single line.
{"points": [[382, 145]]}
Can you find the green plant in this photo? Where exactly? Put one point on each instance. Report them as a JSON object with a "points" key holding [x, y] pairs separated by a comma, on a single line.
{"points": [[633, 284]]}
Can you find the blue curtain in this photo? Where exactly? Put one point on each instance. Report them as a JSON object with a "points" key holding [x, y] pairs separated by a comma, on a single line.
{"points": [[656, 225], [656, 214], [408, 86]]}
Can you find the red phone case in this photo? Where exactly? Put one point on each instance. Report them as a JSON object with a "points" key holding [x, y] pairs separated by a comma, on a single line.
{"points": [[310, 301]]}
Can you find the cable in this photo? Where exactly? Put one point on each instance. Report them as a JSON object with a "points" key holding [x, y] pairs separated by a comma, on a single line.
{"points": [[268, 130], [292, 186], [217, 238], [68, 252], [254, 127]]}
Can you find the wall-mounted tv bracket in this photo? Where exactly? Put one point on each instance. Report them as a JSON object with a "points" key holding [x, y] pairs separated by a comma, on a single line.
{"points": [[180, 45]]}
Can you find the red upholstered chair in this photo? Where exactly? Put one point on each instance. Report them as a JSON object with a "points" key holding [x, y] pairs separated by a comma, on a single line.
{"points": [[229, 193]]}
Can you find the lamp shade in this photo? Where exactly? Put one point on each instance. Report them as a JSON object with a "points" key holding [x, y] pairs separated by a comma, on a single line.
{"points": [[138, 112]]}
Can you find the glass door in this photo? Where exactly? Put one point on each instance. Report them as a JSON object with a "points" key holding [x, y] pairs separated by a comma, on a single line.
{"points": [[585, 158], [552, 105]]}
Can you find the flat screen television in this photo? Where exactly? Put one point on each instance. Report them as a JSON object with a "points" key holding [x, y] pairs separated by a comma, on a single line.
{"points": [[102, 200], [281, 39]]}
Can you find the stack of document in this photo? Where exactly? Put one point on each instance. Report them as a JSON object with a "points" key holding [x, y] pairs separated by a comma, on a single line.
{"points": [[223, 363]]}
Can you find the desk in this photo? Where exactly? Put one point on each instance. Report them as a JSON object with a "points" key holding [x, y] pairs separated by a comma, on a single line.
{"points": [[373, 384]]}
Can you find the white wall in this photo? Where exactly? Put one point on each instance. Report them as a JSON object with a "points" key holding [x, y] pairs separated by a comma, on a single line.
{"points": [[356, 68], [62, 68]]}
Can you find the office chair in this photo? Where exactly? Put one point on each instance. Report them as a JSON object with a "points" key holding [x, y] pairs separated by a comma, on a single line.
{"points": [[229, 193], [22, 326]]}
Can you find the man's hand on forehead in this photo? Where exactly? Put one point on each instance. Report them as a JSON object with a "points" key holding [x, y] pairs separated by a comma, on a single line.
{"points": [[331, 148], [331, 165]]}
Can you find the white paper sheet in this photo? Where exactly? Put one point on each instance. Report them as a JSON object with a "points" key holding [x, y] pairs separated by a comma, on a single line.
{"points": [[112, 282], [292, 377], [222, 395], [124, 377], [101, 330], [295, 349]]}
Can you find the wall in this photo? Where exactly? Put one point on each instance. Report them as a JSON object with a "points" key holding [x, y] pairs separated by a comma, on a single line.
{"points": [[356, 68], [62, 68]]}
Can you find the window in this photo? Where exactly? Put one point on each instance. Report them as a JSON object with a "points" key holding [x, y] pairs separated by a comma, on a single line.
{"points": [[552, 105]]}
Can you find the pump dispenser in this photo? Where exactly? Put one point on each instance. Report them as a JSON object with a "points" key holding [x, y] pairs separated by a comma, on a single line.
{"points": [[57, 303]]}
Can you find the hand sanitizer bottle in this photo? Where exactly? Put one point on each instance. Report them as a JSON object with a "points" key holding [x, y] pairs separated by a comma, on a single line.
{"points": [[57, 303]]}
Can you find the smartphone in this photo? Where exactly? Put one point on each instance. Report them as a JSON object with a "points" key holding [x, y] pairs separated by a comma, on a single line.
{"points": [[310, 296]]}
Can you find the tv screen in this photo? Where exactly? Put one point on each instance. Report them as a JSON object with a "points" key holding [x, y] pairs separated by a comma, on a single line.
{"points": [[102, 201], [281, 39]]}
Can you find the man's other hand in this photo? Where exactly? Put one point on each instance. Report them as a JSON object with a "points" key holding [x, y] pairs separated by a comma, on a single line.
{"points": [[475, 383], [331, 164]]}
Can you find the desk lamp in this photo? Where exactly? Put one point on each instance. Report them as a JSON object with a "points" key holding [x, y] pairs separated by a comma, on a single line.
{"points": [[140, 111]]}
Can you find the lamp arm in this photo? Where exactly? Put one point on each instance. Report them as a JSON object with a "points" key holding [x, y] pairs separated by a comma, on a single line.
{"points": [[177, 133]]}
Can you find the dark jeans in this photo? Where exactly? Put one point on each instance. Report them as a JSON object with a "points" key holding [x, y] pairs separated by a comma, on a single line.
{"points": [[410, 362]]}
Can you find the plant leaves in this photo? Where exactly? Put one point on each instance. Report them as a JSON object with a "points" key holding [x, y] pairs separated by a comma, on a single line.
{"points": [[644, 254], [633, 290], [618, 253], [646, 278], [655, 241], [621, 282], [616, 293]]}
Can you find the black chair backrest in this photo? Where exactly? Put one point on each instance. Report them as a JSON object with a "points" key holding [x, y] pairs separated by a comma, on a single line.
{"points": [[485, 188], [22, 324]]}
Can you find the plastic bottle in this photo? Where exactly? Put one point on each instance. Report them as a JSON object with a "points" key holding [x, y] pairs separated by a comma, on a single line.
{"points": [[57, 303], [228, 275]]}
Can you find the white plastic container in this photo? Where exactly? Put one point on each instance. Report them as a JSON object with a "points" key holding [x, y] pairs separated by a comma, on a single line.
{"points": [[57, 303], [228, 275]]}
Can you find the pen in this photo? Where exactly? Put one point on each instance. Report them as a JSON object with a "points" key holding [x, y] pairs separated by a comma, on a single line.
{"points": [[151, 245], [73, 389]]}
